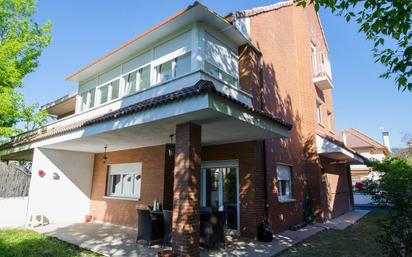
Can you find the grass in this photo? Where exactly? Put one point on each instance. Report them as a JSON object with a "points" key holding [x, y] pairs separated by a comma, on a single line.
{"points": [[25, 243], [356, 241]]}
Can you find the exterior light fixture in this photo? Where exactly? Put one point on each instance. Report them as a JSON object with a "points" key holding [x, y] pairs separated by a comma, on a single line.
{"points": [[105, 155], [171, 150]]}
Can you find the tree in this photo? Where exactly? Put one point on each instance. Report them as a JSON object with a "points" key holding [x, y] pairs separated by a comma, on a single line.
{"points": [[21, 43], [395, 189], [387, 23]]}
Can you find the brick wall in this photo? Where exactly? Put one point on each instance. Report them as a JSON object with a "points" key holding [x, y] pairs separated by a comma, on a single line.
{"points": [[155, 167], [251, 187], [284, 37]]}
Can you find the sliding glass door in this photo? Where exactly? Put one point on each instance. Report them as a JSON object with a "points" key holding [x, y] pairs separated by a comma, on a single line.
{"points": [[220, 190]]}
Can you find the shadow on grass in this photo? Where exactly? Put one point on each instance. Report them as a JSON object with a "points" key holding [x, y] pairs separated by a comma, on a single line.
{"points": [[357, 240], [24, 243]]}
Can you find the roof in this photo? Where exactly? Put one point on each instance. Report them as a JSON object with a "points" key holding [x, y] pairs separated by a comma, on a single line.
{"points": [[197, 12], [200, 87], [356, 140], [61, 106], [273, 7], [262, 9], [340, 143]]}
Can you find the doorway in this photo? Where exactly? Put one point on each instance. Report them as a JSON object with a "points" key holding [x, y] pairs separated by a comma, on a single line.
{"points": [[220, 190]]}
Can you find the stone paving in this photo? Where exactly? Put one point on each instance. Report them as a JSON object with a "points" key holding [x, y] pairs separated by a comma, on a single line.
{"points": [[112, 240]]}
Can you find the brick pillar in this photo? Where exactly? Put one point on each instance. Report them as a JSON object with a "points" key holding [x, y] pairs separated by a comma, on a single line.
{"points": [[185, 236]]}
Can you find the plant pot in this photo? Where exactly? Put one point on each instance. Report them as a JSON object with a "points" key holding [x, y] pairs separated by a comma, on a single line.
{"points": [[88, 218]]}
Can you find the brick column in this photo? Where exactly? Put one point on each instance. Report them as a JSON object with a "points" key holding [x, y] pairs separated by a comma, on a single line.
{"points": [[185, 236]]}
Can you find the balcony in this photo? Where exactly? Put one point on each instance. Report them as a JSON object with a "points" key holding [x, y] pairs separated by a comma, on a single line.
{"points": [[322, 71]]}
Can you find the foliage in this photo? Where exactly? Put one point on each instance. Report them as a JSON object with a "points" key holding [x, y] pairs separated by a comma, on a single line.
{"points": [[388, 24], [395, 189], [21, 43]]}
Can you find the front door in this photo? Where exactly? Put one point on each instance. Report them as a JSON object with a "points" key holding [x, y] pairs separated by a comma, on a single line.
{"points": [[220, 190]]}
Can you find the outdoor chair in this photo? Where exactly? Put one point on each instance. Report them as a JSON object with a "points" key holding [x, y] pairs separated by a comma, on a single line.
{"points": [[150, 226], [212, 229]]}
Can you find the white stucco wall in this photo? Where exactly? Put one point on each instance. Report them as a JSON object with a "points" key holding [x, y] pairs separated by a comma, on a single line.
{"points": [[66, 199], [13, 212]]}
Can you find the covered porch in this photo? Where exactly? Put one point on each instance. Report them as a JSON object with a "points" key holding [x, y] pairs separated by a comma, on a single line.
{"points": [[215, 136]]}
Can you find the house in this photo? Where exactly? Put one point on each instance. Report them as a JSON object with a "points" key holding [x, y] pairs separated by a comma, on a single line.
{"points": [[233, 113], [367, 147]]}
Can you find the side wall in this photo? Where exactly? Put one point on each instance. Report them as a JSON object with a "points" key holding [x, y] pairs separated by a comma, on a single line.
{"points": [[284, 36], [155, 167], [66, 199]]}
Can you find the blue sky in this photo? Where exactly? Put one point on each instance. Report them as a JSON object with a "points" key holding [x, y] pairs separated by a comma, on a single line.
{"points": [[85, 30]]}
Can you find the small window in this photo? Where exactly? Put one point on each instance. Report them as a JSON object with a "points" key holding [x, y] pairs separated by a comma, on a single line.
{"points": [[115, 88], [144, 77], [173, 68], [124, 180], [182, 65], [319, 112], [92, 96], [329, 120], [130, 82], [164, 71], [83, 97], [104, 94], [284, 174], [216, 72]]}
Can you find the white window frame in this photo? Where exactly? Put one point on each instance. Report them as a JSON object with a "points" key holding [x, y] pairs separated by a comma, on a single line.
{"points": [[286, 197], [314, 60], [124, 77], [88, 100], [134, 169], [109, 94], [172, 58], [220, 74]]}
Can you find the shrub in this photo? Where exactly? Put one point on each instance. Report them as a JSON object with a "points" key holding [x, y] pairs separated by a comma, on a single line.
{"points": [[394, 189]]}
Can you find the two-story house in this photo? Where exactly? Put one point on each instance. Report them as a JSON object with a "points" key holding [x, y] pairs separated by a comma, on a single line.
{"points": [[232, 113]]}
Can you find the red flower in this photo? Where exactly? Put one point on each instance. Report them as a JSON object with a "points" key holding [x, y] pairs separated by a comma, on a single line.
{"points": [[358, 185]]}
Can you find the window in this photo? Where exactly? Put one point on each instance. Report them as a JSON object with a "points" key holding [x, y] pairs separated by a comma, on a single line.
{"points": [[87, 99], [284, 174], [124, 180], [104, 94], [319, 112], [314, 60], [329, 120], [109, 92], [137, 80], [216, 72], [173, 68]]}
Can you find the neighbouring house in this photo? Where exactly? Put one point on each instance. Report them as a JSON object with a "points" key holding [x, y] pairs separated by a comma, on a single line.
{"points": [[368, 148], [410, 143], [234, 113]]}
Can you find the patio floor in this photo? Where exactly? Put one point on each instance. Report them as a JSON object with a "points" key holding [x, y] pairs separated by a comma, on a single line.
{"points": [[112, 240]]}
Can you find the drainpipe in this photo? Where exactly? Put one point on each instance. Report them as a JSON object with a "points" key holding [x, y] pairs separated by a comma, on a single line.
{"points": [[262, 107]]}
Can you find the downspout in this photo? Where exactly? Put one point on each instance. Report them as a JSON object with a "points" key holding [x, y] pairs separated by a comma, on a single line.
{"points": [[262, 107]]}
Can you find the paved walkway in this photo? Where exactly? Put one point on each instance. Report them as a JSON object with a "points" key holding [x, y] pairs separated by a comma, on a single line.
{"points": [[112, 240]]}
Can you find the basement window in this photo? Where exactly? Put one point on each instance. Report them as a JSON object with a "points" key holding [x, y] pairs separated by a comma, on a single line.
{"points": [[284, 174], [124, 180]]}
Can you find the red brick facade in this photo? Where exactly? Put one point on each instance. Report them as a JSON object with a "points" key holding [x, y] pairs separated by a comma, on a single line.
{"points": [[280, 81]]}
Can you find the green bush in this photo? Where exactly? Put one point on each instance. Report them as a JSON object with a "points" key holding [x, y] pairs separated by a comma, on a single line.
{"points": [[394, 189]]}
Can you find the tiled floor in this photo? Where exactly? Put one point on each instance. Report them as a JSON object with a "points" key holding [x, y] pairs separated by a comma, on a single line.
{"points": [[112, 240]]}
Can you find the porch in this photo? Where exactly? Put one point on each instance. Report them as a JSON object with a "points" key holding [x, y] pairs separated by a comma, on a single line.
{"points": [[113, 240]]}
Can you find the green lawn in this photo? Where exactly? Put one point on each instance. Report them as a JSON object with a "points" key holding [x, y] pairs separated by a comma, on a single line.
{"points": [[356, 241], [25, 243]]}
